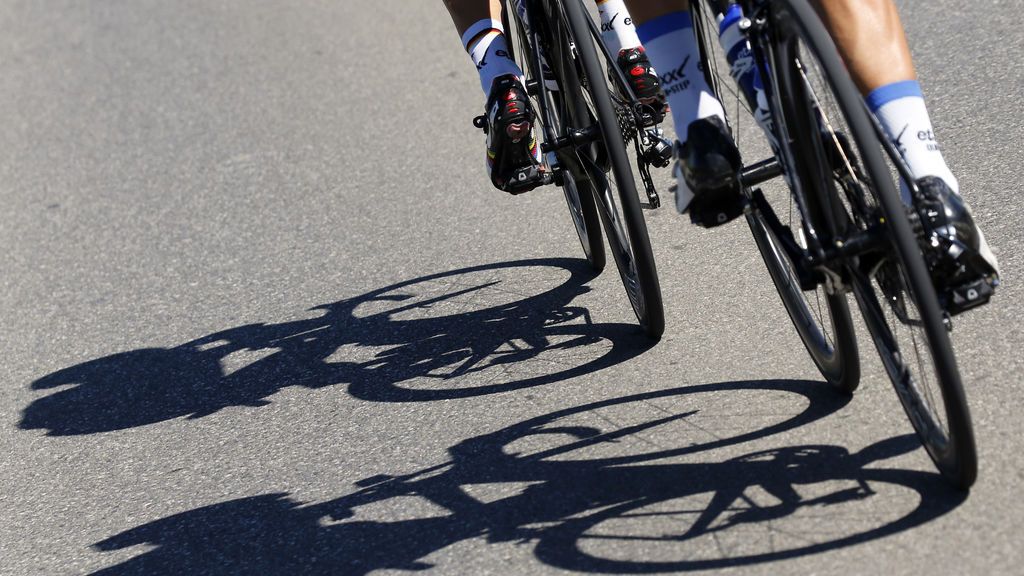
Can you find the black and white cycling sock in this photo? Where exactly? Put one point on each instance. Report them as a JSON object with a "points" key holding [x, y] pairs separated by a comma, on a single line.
{"points": [[672, 49], [485, 42], [617, 30], [900, 109]]}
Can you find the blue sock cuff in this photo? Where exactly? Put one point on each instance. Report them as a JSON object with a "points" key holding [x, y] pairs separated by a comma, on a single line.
{"points": [[664, 24], [881, 96]]}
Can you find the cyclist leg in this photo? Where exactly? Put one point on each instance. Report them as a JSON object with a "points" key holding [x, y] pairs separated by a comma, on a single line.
{"points": [[870, 38], [872, 42], [513, 155], [707, 161]]}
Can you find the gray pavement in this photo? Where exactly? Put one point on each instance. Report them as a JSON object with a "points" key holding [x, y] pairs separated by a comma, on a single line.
{"points": [[262, 313]]}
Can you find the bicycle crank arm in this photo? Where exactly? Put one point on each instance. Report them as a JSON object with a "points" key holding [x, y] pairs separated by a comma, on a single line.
{"points": [[760, 172], [802, 264]]}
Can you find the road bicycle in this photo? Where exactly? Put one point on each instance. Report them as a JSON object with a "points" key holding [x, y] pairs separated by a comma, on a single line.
{"points": [[588, 115], [838, 224]]}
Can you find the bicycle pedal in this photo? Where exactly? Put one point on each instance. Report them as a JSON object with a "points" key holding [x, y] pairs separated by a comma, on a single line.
{"points": [[968, 296], [711, 213], [526, 179], [717, 205]]}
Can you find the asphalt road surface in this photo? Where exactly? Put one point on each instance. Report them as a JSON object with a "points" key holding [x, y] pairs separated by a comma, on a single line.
{"points": [[262, 312]]}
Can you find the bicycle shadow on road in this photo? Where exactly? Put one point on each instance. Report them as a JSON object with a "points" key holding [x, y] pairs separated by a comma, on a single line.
{"points": [[467, 332], [603, 488]]}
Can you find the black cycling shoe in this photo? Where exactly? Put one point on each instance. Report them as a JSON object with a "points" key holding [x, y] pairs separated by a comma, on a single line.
{"points": [[707, 174], [513, 155], [645, 84], [962, 266]]}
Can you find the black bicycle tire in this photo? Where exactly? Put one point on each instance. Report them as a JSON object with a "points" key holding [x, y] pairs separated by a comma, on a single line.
{"points": [[652, 315], [594, 245], [593, 241], [841, 366], [838, 363], [957, 460], [588, 225]]}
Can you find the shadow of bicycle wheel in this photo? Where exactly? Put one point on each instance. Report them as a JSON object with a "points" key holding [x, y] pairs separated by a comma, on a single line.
{"points": [[467, 332], [601, 487]]}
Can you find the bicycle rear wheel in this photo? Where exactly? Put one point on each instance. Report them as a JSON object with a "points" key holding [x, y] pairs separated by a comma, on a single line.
{"points": [[617, 200], [822, 319], [842, 158]]}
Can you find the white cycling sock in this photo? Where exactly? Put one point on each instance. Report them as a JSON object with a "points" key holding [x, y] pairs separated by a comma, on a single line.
{"points": [[900, 109], [672, 49], [617, 30], [485, 42]]}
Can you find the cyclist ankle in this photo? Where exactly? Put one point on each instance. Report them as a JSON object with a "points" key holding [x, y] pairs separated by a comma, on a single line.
{"points": [[489, 51], [901, 110], [617, 30], [671, 46]]}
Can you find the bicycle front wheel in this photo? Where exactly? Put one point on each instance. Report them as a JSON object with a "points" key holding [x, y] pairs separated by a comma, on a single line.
{"points": [[557, 113], [852, 188], [617, 201]]}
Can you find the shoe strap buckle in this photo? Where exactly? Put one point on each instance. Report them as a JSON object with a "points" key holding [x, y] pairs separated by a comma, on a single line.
{"points": [[481, 123]]}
